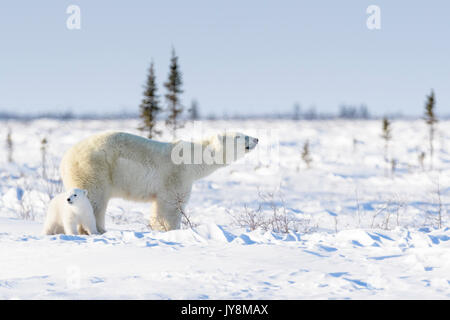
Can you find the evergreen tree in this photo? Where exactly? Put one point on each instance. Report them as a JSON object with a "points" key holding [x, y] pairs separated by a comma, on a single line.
{"points": [[149, 107], [387, 136], [173, 86], [430, 119], [44, 143], [296, 111], [194, 113], [9, 146], [311, 114], [364, 112]]}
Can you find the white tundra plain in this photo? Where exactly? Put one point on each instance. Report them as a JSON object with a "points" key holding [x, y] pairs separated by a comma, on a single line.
{"points": [[356, 230]]}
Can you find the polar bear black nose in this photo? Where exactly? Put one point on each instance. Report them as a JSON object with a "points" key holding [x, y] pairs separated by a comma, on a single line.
{"points": [[256, 140], [68, 199]]}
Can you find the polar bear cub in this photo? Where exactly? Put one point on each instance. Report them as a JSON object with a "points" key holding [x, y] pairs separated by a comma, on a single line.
{"points": [[70, 213]]}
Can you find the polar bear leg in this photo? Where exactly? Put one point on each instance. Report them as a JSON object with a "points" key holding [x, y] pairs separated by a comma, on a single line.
{"points": [[99, 205], [81, 230], [52, 226], [48, 225], [165, 216], [70, 226], [49, 228], [100, 219], [52, 220], [89, 224]]}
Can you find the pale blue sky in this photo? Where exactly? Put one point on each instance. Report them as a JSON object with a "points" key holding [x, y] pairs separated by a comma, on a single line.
{"points": [[236, 56]]}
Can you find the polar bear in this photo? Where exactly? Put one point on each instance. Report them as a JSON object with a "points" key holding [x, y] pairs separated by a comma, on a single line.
{"points": [[123, 165], [70, 213]]}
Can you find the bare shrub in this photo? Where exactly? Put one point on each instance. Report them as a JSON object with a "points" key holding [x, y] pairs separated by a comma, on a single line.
{"points": [[393, 166], [120, 218], [26, 207], [386, 212], [52, 187], [358, 207], [125, 217], [252, 219], [336, 221], [439, 217], [434, 218], [421, 159], [9, 146], [34, 192], [186, 222], [275, 218], [51, 184], [306, 155]]}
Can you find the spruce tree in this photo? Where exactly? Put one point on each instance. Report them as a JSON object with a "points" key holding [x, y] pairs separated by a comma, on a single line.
{"points": [[44, 143], [387, 136], [149, 107], [296, 115], [430, 119], [9, 146], [194, 113], [173, 86], [364, 112]]}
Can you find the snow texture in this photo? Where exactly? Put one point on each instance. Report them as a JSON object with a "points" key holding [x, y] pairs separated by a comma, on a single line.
{"points": [[365, 233]]}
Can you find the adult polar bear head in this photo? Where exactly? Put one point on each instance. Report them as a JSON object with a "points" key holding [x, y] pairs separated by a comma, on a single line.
{"points": [[219, 149], [122, 165], [234, 142]]}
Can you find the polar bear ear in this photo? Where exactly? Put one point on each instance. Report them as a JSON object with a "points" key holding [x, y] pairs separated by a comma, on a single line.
{"points": [[85, 192]]}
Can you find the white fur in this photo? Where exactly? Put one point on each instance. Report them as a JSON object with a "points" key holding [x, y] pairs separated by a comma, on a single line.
{"points": [[122, 165], [70, 213]]}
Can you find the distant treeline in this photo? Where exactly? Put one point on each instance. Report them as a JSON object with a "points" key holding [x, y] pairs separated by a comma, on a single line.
{"points": [[345, 112], [66, 116]]}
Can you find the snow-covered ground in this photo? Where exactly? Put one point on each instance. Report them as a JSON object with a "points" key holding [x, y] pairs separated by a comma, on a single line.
{"points": [[362, 232]]}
